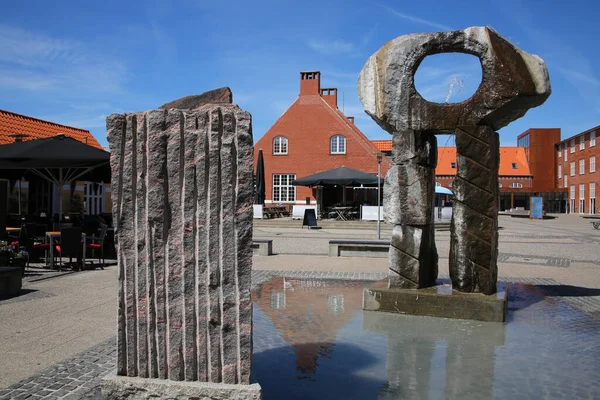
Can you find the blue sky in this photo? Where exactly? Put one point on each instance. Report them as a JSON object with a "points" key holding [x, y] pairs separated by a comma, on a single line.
{"points": [[75, 62]]}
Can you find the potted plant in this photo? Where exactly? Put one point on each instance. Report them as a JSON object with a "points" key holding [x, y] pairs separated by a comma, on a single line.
{"points": [[20, 258], [4, 253]]}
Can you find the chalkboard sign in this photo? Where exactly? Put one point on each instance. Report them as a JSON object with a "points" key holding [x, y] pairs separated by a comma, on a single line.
{"points": [[537, 208], [310, 218]]}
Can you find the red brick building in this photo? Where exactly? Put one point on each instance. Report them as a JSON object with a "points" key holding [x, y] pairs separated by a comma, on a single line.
{"points": [[313, 136], [576, 173], [525, 170]]}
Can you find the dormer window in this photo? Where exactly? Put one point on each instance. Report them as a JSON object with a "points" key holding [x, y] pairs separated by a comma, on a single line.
{"points": [[453, 165], [280, 145], [514, 165], [338, 144]]}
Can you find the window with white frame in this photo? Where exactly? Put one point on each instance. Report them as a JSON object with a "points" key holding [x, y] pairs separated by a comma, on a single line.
{"points": [[582, 166], [93, 198], [592, 197], [565, 182], [572, 168], [581, 142], [572, 145], [592, 139], [515, 185], [338, 144], [592, 164], [283, 190], [559, 151], [565, 151], [499, 185], [572, 199], [581, 198], [280, 145], [559, 171], [437, 184]]}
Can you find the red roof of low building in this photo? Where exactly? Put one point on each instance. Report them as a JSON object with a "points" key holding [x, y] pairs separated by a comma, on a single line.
{"points": [[383, 145], [33, 128], [447, 156]]}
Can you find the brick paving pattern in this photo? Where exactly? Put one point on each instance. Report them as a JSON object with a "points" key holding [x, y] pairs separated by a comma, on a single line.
{"points": [[79, 377]]}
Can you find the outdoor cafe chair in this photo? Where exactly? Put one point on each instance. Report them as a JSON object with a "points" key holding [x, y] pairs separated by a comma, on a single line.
{"points": [[99, 243], [70, 244]]}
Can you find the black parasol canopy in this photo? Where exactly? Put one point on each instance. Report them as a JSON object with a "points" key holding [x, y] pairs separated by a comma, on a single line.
{"points": [[59, 160], [259, 194], [338, 176]]}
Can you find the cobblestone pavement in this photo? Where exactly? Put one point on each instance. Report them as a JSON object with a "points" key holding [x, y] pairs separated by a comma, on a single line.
{"points": [[79, 377]]}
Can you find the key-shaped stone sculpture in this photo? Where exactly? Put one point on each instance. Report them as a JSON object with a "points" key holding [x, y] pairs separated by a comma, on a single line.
{"points": [[513, 81]]}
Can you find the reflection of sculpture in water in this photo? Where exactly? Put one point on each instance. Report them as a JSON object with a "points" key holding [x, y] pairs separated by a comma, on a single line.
{"points": [[413, 343], [309, 314], [513, 81]]}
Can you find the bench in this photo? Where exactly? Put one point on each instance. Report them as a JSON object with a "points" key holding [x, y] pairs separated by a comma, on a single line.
{"points": [[359, 248], [262, 247], [10, 281]]}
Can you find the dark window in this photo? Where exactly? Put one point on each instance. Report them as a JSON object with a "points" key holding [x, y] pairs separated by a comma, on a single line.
{"points": [[453, 165], [514, 165]]}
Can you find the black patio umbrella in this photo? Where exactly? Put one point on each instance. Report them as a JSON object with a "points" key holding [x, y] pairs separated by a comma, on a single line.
{"points": [[343, 176], [259, 194], [59, 160]]}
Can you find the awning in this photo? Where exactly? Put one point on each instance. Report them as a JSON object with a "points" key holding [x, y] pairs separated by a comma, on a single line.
{"points": [[59, 159], [342, 176], [443, 190]]}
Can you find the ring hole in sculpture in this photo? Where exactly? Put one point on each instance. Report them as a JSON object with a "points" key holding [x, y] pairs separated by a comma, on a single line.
{"points": [[448, 77]]}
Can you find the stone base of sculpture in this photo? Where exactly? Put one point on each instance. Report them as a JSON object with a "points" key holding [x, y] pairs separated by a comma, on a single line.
{"points": [[437, 301], [122, 387]]}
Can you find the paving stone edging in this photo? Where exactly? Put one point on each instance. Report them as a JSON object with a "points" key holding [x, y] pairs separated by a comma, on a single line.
{"points": [[79, 377]]}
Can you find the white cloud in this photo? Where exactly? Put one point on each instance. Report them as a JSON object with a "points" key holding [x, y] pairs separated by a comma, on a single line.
{"points": [[417, 20], [332, 47], [36, 62], [29, 49]]}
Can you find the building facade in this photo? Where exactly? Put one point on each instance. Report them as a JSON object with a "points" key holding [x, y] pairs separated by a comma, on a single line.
{"points": [[576, 171], [312, 136], [40, 196]]}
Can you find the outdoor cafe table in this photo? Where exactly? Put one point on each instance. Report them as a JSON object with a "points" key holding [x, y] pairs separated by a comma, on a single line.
{"points": [[51, 236], [273, 211], [342, 212]]}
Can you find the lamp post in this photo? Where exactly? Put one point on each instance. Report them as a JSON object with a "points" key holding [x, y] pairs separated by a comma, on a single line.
{"points": [[379, 157]]}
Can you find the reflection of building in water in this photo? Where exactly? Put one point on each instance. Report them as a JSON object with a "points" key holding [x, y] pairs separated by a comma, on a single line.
{"points": [[309, 313], [412, 342]]}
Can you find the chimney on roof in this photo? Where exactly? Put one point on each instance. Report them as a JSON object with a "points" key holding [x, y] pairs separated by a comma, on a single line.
{"points": [[330, 96], [310, 82], [18, 136]]}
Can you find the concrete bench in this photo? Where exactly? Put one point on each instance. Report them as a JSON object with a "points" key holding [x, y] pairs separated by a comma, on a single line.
{"points": [[10, 281], [262, 247], [358, 248]]}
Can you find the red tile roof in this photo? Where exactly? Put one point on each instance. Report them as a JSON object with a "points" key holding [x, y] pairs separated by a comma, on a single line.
{"points": [[383, 145], [12, 123], [447, 156]]}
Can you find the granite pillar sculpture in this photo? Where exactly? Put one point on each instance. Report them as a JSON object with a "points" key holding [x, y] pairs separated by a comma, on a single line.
{"points": [[513, 81], [182, 205]]}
